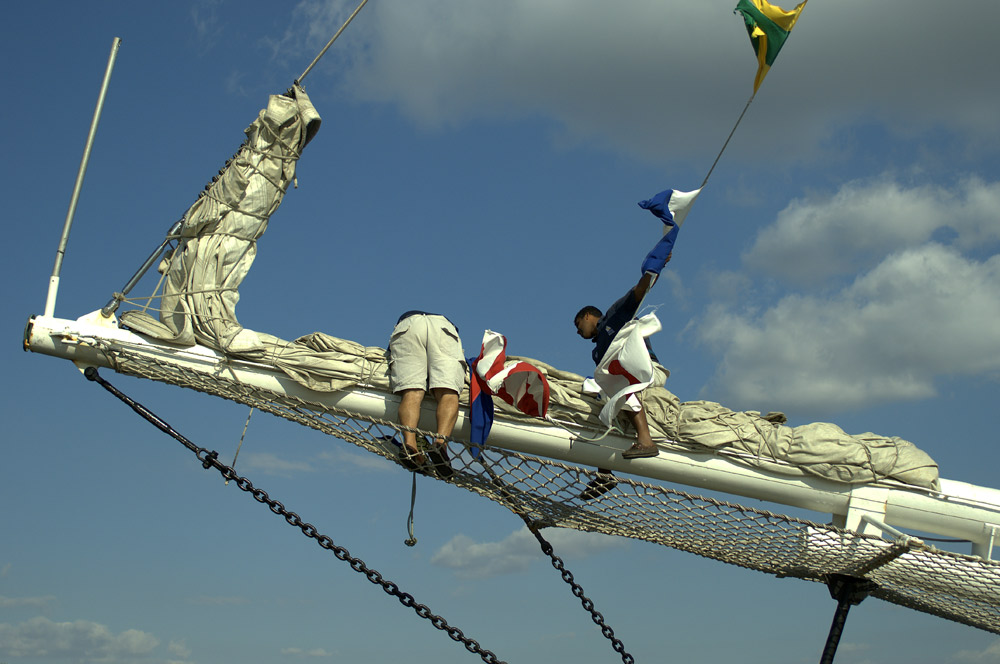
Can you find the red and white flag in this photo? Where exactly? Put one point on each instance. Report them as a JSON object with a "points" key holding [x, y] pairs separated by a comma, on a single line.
{"points": [[518, 383], [626, 367]]}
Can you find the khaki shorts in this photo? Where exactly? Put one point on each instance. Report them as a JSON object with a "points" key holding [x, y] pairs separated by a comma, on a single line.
{"points": [[660, 376], [425, 352]]}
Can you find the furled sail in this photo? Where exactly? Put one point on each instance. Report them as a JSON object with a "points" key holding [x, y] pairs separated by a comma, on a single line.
{"points": [[221, 229]]}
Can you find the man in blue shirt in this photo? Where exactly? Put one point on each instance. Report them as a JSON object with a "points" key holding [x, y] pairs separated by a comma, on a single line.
{"points": [[601, 329]]}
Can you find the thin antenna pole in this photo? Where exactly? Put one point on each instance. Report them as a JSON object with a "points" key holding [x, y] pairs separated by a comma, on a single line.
{"points": [[738, 120], [50, 300], [350, 18]]}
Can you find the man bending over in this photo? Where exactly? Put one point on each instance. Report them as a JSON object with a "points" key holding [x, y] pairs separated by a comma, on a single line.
{"points": [[425, 353]]}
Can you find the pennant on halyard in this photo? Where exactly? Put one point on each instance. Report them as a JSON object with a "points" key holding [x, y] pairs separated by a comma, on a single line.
{"points": [[768, 26], [671, 207]]}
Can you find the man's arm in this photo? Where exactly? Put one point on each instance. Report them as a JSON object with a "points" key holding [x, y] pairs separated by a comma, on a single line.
{"points": [[645, 283]]}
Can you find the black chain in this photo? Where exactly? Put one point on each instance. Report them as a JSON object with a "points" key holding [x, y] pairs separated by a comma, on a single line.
{"points": [[535, 528], [211, 460], [588, 604]]}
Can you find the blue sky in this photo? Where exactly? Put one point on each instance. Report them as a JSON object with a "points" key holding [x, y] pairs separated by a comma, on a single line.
{"points": [[484, 159]]}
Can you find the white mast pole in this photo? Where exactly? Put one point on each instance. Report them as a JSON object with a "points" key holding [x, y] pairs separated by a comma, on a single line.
{"points": [[50, 300]]}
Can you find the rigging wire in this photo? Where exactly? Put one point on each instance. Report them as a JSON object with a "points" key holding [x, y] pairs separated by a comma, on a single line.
{"points": [[718, 156], [350, 18], [242, 436]]}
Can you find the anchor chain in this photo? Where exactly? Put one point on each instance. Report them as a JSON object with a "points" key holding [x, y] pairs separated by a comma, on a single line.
{"points": [[210, 459], [588, 604], [547, 549]]}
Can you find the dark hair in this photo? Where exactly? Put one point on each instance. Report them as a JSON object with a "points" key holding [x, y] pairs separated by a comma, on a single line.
{"points": [[589, 309]]}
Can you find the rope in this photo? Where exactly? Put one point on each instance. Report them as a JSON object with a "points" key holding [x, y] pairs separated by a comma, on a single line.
{"points": [[242, 436], [733, 131], [350, 18], [412, 539]]}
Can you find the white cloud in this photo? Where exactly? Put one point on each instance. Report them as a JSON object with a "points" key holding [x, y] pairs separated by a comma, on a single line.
{"points": [[661, 67], [179, 649], [219, 601], [299, 652], [919, 315], [34, 602], [990, 654], [340, 458], [79, 640], [207, 31], [852, 230], [516, 552], [271, 464], [916, 312]]}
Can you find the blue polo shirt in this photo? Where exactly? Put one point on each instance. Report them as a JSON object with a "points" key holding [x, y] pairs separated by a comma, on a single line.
{"points": [[613, 320]]}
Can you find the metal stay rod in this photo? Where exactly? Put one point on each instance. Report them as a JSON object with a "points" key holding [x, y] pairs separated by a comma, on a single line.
{"points": [[350, 18], [117, 298], [50, 300]]}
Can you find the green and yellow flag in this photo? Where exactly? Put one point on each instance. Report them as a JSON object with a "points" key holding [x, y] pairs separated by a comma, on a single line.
{"points": [[768, 26]]}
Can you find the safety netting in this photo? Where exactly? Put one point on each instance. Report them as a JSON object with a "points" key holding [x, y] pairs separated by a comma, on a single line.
{"points": [[547, 493], [215, 247]]}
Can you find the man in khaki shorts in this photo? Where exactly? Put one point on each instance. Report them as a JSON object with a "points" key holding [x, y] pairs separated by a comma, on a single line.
{"points": [[425, 353]]}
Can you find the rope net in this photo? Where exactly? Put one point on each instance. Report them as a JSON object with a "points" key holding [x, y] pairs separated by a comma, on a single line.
{"points": [[546, 493]]}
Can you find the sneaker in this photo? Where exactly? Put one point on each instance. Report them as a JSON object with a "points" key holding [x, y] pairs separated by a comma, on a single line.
{"points": [[411, 459], [599, 486], [440, 463]]}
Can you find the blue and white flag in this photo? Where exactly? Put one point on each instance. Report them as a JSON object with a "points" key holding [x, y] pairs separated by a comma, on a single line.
{"points": [[671, 207]]}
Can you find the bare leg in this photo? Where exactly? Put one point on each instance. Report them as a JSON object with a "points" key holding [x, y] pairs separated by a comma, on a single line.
{"points": [[644, 445], [409, 416], [447, 412], [641, 428], [447, 415]]}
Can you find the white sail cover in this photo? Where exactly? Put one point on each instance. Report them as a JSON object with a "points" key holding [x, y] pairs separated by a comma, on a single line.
{"points": [[221, 229], [220, 232], [329, 364]]}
